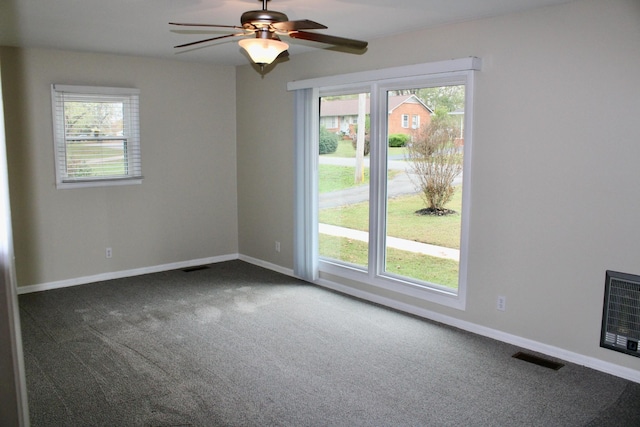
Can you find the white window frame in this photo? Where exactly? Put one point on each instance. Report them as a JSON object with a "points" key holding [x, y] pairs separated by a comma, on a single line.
{"points": [[307, 264], [415, 121], [405, 121], [130, 99]]}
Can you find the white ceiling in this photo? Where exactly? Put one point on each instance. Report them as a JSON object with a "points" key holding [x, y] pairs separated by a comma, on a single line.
{"points": [[140, 27]]}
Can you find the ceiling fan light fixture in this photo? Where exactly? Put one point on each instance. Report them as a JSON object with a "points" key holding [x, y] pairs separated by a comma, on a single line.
{"points": [[263, 51], [267, 26]]}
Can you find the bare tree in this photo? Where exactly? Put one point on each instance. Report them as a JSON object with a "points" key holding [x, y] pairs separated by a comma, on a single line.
{"points": [[435, 161]]}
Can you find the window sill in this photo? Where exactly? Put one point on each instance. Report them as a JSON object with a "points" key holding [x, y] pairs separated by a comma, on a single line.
{"points": [[361, 280], [97, 183]]}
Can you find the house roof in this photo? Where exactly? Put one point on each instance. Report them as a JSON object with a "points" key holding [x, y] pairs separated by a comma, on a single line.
{"points": [[349, 107]]}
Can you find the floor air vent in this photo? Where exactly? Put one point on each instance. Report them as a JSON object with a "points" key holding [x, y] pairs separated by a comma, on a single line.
{"points": [[621, 314], [199, 267], [546, 363]]}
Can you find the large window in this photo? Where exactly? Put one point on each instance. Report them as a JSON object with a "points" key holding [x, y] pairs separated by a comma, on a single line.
{"points": [[96, 135], [388, 211]]}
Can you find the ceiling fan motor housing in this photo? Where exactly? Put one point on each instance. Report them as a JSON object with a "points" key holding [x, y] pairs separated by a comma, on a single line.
{"points": [[261, 18], [267, 25]]}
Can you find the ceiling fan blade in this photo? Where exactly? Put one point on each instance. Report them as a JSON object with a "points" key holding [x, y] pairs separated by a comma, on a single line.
{"points": [[211, 39], [324, 38], [303, 24], [205, 25]]}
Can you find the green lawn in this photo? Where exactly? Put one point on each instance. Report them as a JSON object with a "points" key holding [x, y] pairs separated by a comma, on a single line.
{"points": [[334, 178], [93, 159], [345, 149], [409, 264], [402, 221]]}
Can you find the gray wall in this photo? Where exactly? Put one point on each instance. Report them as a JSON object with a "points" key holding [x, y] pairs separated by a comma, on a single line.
{"points": [[555, 177], [185, 209]]}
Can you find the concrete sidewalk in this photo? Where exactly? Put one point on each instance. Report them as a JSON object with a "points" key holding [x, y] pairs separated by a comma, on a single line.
{"points": [[392, 242], [401, 184]]}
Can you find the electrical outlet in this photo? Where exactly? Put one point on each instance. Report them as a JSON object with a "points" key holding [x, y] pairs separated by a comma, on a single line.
{"points": [[277, 246], [108, 253], [502, 303]]}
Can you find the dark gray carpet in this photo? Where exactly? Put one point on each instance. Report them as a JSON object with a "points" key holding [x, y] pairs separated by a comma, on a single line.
{"points": [[237, 345]]}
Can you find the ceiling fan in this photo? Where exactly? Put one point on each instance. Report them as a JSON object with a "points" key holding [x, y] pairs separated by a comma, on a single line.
{"points": [[266, 27]]}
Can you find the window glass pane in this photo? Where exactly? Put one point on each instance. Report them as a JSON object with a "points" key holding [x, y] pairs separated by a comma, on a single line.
{"points": [[343, 179], [96, 158], [94, 119], [424, 185]]}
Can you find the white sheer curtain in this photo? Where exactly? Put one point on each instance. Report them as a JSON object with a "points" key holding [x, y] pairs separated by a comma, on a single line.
{"points": [[305, 262]]}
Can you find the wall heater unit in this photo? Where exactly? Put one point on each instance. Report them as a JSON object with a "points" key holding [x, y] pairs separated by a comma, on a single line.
{"points": [[621, 314]]}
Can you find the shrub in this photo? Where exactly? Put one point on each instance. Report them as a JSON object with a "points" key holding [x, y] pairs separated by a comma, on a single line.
{"points": [[398, 140], [395, 140], [328, 141], [435, 161]]}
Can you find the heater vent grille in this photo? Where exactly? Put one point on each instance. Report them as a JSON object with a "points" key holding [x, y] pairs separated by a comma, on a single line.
{"points": [[621, 314]]}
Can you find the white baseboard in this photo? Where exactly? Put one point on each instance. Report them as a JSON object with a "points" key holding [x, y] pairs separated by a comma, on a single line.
{"points": [[267, 265], [147, 270], [569, 356], [124, 273], [579, 359]]}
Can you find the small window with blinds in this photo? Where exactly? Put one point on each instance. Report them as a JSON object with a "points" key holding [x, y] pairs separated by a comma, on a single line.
{"points": [[96, 136]]}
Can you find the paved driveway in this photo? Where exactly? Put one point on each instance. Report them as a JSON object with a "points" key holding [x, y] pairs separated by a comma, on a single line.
{"points": [[400, 185]]}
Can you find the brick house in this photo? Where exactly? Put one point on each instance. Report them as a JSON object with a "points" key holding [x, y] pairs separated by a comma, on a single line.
{"points": [[406, 113]]}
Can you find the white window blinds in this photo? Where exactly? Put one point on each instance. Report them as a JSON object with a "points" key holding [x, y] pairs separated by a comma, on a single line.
{"points": [[96, 135]]}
